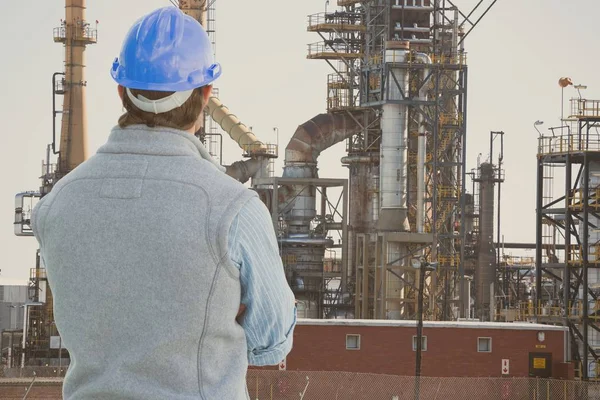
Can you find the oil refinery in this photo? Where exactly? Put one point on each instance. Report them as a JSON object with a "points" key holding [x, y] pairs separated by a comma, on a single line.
{"points": [[359, 248]]}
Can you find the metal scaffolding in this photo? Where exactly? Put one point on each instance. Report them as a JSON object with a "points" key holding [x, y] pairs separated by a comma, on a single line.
{"points": [[566, 290], [368, 80], [313, 254]]}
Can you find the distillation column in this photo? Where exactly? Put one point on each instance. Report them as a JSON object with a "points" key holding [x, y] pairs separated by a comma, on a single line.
{"points": [[393, 172]]}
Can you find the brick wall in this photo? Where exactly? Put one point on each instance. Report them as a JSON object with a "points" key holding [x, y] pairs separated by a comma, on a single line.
{"points": [[450, 351], [16, 392]]}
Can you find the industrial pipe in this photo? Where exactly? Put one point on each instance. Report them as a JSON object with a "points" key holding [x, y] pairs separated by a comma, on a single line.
{"points": [[306, 241], [301, 153], [318, 134], [239, 132], [372, 159], [244, 170], [421, 147]]}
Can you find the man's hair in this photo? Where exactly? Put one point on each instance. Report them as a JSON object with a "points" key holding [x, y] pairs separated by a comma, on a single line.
{"points": [[182, 117]]}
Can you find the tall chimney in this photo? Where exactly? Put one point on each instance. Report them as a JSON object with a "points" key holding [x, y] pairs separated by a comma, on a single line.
{"points": [[75, 33]]}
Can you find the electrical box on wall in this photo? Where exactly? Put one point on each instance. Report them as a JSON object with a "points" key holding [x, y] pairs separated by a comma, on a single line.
{"points": [[540, 365]]}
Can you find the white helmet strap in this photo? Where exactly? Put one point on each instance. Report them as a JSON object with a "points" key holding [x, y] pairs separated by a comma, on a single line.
{"points": [[161, 105]]}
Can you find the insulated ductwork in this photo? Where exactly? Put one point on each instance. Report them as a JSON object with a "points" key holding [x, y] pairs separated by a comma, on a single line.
{"points": [[239, 132]]}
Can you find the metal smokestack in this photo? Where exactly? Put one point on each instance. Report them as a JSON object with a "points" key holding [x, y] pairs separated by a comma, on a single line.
{"points": [[196, 9], [75, 33], [486, 271]]}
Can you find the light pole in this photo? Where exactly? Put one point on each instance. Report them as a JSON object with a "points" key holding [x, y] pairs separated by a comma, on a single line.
{"points": [[421, 265], [536, 124], [563, 83], [579, 89]]}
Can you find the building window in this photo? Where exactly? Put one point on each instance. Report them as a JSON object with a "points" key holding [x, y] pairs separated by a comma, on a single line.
{"points": [[352, 342], [484, 345], [423, 343]]}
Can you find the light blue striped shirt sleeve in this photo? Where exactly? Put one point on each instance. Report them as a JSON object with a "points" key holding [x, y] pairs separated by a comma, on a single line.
{"points": [[270, 314]]}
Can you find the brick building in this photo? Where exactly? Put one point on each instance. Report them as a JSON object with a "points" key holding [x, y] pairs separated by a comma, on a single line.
{"points": [[450, 349]]}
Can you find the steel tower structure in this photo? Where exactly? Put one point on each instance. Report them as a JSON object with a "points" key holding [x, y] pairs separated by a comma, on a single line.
{"points": [[572, 267], [401, 64]]}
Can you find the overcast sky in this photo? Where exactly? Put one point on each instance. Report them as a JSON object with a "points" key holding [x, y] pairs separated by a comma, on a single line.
{"points": [[516, 57]]}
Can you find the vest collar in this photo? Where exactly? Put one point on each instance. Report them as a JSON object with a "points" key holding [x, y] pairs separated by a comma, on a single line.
{"points": [[159, 141]]}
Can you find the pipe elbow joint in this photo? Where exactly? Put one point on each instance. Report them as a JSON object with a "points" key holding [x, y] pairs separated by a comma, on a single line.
{"points": [[242, 171]]}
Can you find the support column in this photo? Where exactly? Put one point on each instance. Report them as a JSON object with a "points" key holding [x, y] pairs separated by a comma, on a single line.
{"points": [[538, 234], [584, 262], [365, 278]]}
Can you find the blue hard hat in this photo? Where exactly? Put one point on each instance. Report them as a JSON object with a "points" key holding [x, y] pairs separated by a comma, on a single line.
{"points": [[167, 51]]}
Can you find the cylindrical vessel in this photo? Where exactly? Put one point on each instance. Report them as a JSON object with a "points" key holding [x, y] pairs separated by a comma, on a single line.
{"points": [[486, 271], [304, 209], [393, 164]]}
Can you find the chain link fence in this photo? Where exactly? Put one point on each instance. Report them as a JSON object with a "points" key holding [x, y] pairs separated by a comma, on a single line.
{"points": [[294, 385], [288, 385]]}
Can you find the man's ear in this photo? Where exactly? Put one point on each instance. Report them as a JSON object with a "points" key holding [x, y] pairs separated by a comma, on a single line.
{"points": [[206, 93], [121, 91]]}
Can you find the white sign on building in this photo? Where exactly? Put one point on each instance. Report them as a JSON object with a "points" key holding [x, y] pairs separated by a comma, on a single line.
{"points": [[505, 367], [283, 365]]}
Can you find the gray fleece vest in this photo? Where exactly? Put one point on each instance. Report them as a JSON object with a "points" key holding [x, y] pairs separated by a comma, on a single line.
{"points": [[145, 296]]}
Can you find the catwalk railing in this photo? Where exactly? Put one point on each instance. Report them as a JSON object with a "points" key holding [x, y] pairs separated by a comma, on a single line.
{"points": [[288, 385], [563, 144]]}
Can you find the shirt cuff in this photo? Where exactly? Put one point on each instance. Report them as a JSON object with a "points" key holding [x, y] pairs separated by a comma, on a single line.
{"points": [[273, 355]]}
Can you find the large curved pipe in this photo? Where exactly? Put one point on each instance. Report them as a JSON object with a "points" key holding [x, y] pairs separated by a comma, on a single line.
{"points": [[318, 134], [298, 202], [310, 139]]}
